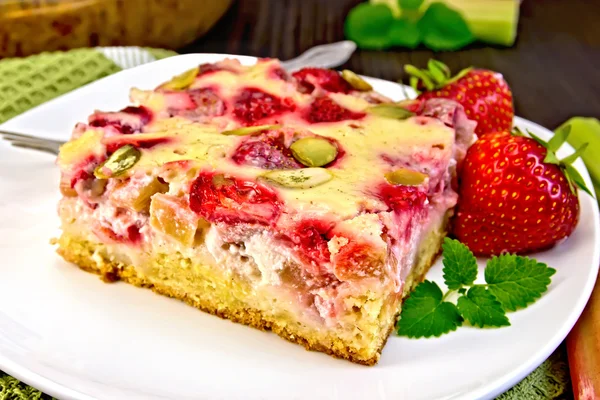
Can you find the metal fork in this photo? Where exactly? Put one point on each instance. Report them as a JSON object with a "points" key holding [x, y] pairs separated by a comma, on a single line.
{"points": [[32, 142]]}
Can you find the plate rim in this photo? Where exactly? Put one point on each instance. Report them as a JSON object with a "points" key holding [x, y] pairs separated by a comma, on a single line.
{"points": [[488, 390], [544, 352]]}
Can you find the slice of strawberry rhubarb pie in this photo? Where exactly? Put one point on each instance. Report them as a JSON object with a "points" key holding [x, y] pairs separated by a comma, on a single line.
{"points": [[306, 204]]}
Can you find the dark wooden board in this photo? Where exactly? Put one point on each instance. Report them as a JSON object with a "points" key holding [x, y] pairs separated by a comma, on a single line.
{"points": [[553, 69]]}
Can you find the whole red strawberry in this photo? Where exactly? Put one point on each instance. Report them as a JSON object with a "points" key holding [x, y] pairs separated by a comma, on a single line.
{"points": [[484, 94], [515, 195]]}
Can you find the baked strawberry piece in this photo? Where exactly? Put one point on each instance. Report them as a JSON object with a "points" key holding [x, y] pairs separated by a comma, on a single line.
{"points": [[311, 213]]}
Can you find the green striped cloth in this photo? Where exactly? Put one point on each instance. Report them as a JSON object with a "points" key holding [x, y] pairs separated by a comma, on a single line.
{"points": [[27, 82]]}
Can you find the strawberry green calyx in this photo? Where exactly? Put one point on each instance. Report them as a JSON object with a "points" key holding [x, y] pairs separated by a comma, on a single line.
{"points": [[586, 130], [560, 137], [435, 76]]}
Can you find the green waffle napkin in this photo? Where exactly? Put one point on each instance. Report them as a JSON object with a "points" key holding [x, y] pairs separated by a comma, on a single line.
{"points": [[27, 82], [30, 81]]}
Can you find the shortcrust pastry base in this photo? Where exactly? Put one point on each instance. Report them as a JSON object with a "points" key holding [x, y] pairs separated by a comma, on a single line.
{"points": [[214, 297]]}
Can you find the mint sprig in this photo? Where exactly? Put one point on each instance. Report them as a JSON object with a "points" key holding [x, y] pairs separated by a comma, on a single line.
{"points": [[512, 282], [435, 25]]}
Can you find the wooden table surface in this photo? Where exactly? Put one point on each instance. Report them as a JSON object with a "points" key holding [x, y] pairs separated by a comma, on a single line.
{"points": [[553, 69]]}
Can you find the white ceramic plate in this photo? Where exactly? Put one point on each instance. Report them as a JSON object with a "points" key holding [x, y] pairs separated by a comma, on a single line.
{"points": [[72, 336]]}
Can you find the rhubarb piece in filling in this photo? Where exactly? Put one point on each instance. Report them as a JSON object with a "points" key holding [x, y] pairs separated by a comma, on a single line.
{"points": [[274, 200]]}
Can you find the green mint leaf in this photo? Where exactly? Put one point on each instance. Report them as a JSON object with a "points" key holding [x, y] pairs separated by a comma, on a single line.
{"points": [[424, 314], [444, 28], [517, 281], [368, 25], [410, 4], [481, 308], [460, 265], [404, 33]]}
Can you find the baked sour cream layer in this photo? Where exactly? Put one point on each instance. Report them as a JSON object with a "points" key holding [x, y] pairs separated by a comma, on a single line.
{"points": [[305, 204]]}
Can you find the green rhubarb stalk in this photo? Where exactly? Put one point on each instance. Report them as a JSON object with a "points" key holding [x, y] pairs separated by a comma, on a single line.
{"points": [[583, 349], [491, 21], [583, 343]]}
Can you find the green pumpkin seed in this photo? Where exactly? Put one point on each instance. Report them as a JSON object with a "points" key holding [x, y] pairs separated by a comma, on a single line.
{"points": [[118, 163], [249, 130], [313, 151], [356, 81], [182, 81], [388, 110], [304, 178], [406, 177]]}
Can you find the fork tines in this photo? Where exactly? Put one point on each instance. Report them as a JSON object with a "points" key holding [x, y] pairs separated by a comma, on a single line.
{"points": [[31, 142]]}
